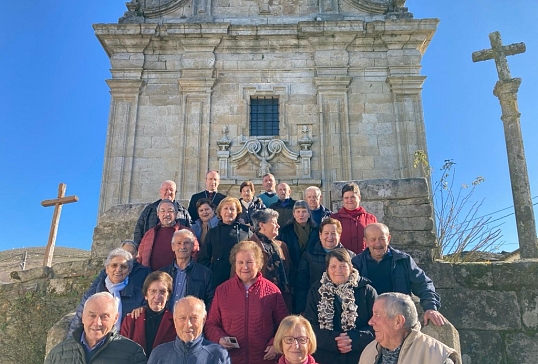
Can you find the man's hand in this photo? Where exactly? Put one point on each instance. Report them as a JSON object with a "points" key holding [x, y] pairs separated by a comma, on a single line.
{"points": [[436, 318], [343, 342], [136, 312]]}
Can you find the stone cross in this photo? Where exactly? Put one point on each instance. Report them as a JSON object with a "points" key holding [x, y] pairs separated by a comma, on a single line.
{"points": [[57, 203], [506, 90]]}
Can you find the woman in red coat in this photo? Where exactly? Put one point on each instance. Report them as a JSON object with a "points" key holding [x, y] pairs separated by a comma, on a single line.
{"points": [[246, 309], [155, 325]]}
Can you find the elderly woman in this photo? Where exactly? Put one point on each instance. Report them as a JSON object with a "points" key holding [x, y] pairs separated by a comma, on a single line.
{"points": [[155, 325], [339, 307], [276, 259], [118, 265], [249, 203], [215, 250], [246, 309], [398, 338], [296, 341], [313, 263]]}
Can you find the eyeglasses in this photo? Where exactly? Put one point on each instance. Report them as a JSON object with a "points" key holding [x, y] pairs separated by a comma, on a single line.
{"points": [[291, 340], [116, 265]]}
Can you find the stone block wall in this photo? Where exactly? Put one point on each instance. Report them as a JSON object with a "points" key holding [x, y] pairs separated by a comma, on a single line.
{"points": [[36, 300], [494, 306]]}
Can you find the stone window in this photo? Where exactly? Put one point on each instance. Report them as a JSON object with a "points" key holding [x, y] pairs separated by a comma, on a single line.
{"points": [[264, 113]]}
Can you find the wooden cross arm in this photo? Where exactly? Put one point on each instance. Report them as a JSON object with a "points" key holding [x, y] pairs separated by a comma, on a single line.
{"points": [[60, 201], [508, 50]]}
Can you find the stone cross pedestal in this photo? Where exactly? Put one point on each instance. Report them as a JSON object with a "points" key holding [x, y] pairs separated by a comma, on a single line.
{"points": [[506, 90], [57, 203]]}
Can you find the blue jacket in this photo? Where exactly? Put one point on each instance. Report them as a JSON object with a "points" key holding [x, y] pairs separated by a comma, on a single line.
{"points": [[407, 277], [131, 298], [199, 283], [197, 227], [199, 351]]}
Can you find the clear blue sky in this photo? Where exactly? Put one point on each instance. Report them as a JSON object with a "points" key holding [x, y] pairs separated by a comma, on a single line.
{"points": [[55, 102]]}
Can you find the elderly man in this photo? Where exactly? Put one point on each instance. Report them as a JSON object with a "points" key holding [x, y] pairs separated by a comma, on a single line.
{"points": [[148, 218], [398, 338], [269, 197], [284, 205], [353, 218], [154, 250], [391, 270], [190, 278], [190, 346], [212, 180], [318, 212], [97, 340]]}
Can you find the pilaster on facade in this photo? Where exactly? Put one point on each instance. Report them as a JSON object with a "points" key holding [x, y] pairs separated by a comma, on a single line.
{"points": [[119, 150], [195, 119], [335, 148], [409, 125]]}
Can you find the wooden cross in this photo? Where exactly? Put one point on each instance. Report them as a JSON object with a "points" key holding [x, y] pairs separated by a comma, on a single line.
{"points": [[57, 203], [498, 52]]}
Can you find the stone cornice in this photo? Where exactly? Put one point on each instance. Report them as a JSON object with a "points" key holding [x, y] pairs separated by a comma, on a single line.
{"points": [[406, 85]]}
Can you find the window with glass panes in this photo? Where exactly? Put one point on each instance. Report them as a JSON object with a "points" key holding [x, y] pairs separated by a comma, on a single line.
{"points": [[264, 116]]}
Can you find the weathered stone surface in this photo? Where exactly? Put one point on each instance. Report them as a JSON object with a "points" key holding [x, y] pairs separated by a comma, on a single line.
{"points": [[522, 273], [441, 273], [474, 275], [409, 223], [115, 225], [484, 310], [447, 334], [27, 275], [57, 333], [521, 347], [528, 301], [481, 347], [388, 189]]}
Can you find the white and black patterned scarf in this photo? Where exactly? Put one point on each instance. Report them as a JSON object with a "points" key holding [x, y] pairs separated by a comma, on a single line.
{"points": [[346, 293]]}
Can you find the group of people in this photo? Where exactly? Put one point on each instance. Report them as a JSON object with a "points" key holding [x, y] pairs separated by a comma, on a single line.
{"points": [[217, 282]]}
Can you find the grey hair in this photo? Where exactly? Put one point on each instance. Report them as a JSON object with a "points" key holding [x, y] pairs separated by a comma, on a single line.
{"points": [[301, 204], [167, 201], [262, 216], [111, 298], [119, 252], [190, 298], [315, 189], [187, 232], [131, 243], [400, 304]]}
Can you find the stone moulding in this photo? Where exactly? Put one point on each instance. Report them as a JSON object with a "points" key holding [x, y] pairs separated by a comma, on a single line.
{"points": [[165, 7]]}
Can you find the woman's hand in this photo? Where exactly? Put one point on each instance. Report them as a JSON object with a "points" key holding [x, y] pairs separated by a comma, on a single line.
{"points": [[343, 342], [226, 344], [270, 353]]}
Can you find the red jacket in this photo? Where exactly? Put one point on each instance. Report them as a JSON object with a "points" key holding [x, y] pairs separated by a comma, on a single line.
{"points": [[146, 245], [353, 228], [136, 329], [252, 316]]}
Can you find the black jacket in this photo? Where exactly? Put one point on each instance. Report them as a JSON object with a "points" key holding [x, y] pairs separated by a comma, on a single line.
{"points": [[284, 209], [310, 271], [193, 211], [256, 205], [215, 251], [116, 349], [360, 336], [199, 282], [407, 277], [148, 219]]}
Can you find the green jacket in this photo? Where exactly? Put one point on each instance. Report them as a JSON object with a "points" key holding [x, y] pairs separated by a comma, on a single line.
{"points": [[116, 349]]}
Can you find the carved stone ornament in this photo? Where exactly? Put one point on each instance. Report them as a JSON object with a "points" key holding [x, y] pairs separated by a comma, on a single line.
{"points": [[157, 8], [378, 6]]}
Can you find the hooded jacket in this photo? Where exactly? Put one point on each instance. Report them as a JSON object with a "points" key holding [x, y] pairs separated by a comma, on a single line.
{"points": [[353, 228]]}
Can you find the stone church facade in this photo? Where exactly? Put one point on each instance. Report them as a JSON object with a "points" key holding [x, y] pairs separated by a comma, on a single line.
{"points": [[313, 91]]}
